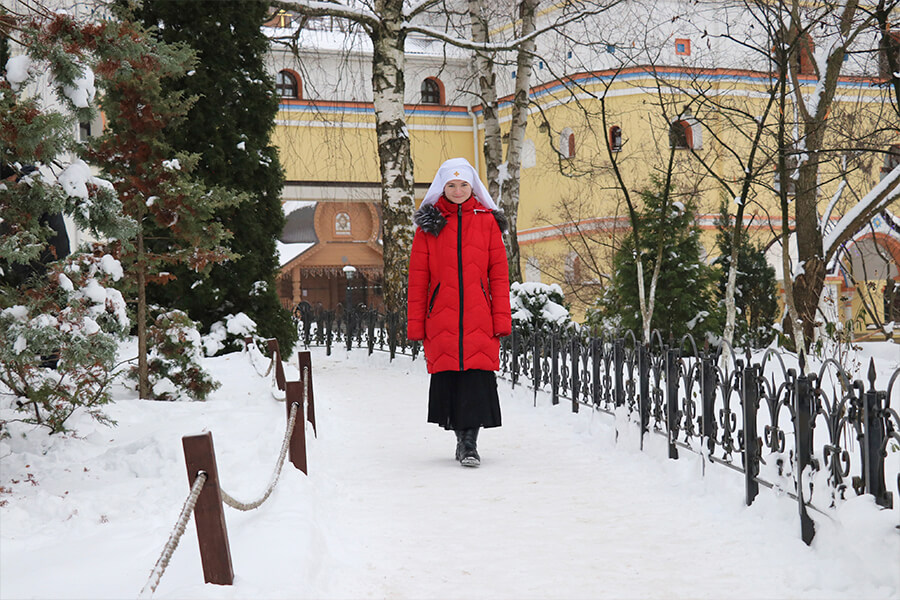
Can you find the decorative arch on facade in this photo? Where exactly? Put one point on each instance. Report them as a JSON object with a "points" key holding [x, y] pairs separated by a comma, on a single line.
{"points": [[288, 84], [875, 256], [432, 91]]}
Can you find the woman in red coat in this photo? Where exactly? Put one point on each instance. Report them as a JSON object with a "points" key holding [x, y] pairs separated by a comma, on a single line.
{"points": [[458, 302]]}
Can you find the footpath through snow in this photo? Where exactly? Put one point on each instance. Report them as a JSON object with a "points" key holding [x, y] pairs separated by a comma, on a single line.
{"points": [[559, 508]]}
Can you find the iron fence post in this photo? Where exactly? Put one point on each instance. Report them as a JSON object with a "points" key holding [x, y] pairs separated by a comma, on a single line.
{"points": [[619, 360], [803, 428], [672, 401], [596, 390], [554, 369], [536, 351], [349, 326], [515, 356], [576, 344], [708, 390], [329, 318], [644, 399], [874, 427], [371, 330], [750, 402]]}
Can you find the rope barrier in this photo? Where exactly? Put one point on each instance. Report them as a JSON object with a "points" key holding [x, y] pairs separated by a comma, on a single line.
{"points": [[230, 501], [160, 568], [250, 348], [163, 561]]}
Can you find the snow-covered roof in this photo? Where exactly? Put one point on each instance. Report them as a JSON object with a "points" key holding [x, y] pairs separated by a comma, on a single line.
{"points": [[358, 42], [290, 206], [288, 252]]}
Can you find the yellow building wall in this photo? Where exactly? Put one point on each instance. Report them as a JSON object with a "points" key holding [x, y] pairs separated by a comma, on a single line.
{"points": [[336, 142], [339, 144]]}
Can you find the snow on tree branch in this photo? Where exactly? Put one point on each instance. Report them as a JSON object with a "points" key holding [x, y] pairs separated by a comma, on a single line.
{"points": [[311, 8], [419, 7], [878, 198]]}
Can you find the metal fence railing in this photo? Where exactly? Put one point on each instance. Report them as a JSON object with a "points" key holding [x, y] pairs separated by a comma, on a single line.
{"points": [[809, 431]]}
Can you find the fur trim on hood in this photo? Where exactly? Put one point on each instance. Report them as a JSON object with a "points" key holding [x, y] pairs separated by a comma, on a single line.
{"points": [[430, 220]]}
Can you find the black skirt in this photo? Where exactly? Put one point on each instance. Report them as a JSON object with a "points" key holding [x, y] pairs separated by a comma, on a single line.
{"points": [[464, 399]]}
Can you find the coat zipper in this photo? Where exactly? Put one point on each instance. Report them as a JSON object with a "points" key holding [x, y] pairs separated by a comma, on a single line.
{"points": [[433, 298], [460, 270]]}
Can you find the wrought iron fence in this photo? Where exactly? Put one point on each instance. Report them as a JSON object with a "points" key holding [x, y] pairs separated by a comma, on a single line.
{"points": [[815, 435]]}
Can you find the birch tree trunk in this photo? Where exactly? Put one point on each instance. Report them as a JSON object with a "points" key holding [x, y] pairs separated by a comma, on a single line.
{"points": [[487, 83], [395, 160], [510, 195]]}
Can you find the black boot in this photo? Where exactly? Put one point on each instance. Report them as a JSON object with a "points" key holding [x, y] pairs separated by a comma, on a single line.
{"points": [[470, 456], [459, 444]]}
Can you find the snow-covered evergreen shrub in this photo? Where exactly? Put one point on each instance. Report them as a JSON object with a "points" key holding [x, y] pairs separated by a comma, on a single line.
{"points": [[539, 306], [683, 297], [53, 312], [174, 359], [73, 318], [230, 334]]}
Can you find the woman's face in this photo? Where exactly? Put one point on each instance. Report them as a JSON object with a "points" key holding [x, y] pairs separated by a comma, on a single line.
{"points": [[457, 191]]}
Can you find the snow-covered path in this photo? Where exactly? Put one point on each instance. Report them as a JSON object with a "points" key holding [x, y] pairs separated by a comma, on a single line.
{"points": [[559, 508]]}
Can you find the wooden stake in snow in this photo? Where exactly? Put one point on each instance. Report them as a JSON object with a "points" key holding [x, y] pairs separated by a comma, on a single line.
{"points": [[297, 450], [275, 353], [305, 362], [209, 516]]}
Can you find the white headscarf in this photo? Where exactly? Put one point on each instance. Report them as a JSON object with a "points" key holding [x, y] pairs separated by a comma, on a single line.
{"points": [[458, 168]]}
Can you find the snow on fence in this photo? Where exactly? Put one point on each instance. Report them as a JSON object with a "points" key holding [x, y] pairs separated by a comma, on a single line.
{"points": [[813, 435], [206, 497]]}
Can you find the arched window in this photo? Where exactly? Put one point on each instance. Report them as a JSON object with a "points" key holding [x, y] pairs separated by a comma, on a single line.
{"points": [[533, 269], [287, 85], [567, 143], [342, 224], [432, 91], [681, 134], [615, 138], [806, 51], [573, 269], [891, 160]]}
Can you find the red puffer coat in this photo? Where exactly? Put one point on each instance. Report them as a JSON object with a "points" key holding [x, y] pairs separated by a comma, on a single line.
{"points": [[458, 295]]}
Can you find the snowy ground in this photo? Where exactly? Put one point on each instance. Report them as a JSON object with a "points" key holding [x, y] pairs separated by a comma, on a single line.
{"points": [[559, 508]]}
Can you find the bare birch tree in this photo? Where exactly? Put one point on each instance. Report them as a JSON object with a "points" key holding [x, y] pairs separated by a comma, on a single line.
{"points": [[386, 22]]}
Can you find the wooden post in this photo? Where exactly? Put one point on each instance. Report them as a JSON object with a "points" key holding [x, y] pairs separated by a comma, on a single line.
{"points": [[279, 368], [305, 360], [297, 446], [208, 514]]}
